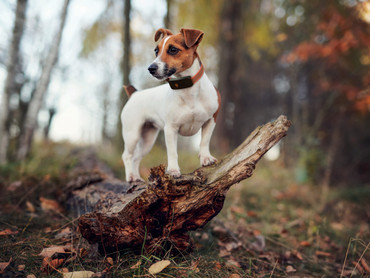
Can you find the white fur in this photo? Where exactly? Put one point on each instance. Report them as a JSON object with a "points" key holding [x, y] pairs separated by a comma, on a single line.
{"points": [[183, 111]]}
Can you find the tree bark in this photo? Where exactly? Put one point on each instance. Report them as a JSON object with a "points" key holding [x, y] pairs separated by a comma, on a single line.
{"points": [[10, 83], [125, 66], [229, 77], [158, 214], [41, 89]]}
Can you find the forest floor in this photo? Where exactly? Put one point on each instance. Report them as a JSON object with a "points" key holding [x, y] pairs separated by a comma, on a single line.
{"points": [[270, 226]]}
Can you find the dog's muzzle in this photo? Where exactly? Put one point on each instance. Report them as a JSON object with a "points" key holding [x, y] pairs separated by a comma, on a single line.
{"points": [[161, 71], [153, 68]]}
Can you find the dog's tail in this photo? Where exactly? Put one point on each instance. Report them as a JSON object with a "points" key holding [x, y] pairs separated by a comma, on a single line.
{"points": [[129, 89]]}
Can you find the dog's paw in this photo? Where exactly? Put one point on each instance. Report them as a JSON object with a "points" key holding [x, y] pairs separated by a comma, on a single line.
{"points": [[133, 178], [174, 173], [207, 160]]}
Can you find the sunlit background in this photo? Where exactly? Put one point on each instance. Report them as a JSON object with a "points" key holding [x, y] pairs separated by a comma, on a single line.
{"points": [[308, 60], [79, 84]]}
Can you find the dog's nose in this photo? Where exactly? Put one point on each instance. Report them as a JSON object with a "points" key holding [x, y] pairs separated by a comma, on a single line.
{"points": [[153, 68]]}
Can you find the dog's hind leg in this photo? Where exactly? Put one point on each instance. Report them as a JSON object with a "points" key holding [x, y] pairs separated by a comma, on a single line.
{"points": [[149, 134]]}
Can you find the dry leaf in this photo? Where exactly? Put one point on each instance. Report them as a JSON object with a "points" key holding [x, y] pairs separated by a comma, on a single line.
{"points": [[158, 266], [365, 265], [30, 207], [224, 253], [50, 205], [251, 213], [3, 266], [231, 246], [135, 266], [218, 266], [50, 251], [109, 260], [31, 276], [305, 243], [238, 210], [232, 262], [49, 265], [7, 232], [21, 267], [235, 275], [64, 233], [322, 253], [260, 243], [297, 255], [78, 274], [358, 267], [290, 269], [14, 185], [83, 252]]}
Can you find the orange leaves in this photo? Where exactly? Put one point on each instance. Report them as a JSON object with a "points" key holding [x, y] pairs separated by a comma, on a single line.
{"points": [[49, 264], [4, 265], [50, 205], [50, 251], [56, 255], [7, 232]]}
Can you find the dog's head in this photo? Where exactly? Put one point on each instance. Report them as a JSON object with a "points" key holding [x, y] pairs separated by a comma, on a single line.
{"points": [[175, 53]]}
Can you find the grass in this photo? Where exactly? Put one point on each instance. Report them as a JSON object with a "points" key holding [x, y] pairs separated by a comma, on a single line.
{"points": [[299, 239]]}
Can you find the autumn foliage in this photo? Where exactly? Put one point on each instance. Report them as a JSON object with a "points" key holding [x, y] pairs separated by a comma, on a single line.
{"points": [[340, 45]]}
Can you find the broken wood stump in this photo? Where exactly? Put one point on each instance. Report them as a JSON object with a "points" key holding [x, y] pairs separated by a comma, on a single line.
{"points": [[159, 214]]}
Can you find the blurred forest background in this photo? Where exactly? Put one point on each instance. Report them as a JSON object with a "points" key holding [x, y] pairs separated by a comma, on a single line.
{"points": [[305, 59], [63, 64]]}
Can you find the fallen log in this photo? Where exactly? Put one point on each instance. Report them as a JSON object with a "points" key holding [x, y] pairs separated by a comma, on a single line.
{"points": [[159, 214]]}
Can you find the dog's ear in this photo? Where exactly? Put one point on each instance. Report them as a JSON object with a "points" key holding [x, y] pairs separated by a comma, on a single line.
{"points": [[162, 32], [192, 36]]}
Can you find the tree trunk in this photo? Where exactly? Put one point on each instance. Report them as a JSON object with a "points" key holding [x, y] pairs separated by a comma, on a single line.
{"points": [[35, 105], [159, 214], [10, 83], [125, 66], [168, 16], [52, 112], [229, 77]]}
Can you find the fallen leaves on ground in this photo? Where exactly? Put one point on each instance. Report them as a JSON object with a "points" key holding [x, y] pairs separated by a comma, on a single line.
{"points": [[136, 266], [290, 269], [50, 251], [49, 264], [50, 205], [3, 266], [78, 274], [7, 232], [158, 266], [55, 256]]}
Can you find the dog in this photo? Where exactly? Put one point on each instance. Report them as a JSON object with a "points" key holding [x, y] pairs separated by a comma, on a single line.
{"points": [[188, 103]]}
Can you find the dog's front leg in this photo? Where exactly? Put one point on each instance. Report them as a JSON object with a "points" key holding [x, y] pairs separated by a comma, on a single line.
{"points": [[170, 134], [204, 155]]}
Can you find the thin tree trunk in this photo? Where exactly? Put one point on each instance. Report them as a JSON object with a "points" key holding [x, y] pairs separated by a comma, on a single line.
{"points": [[125, 65], [52, 112], [36, 102], [168, 17], [126, 43], [10, 83], [229, 79]]}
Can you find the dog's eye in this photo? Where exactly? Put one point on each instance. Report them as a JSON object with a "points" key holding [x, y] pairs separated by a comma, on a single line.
{"points": [[156, 50], [173, 50]]}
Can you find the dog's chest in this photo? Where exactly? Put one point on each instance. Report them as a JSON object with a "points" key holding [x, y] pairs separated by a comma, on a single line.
{"points": [[190, 113]]}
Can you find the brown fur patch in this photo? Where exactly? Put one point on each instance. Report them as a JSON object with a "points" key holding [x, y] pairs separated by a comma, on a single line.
{"points": [[184, 58], [129, 89]]}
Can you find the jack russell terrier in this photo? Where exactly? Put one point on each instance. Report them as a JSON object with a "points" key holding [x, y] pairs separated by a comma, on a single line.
{"points": [[187, 104]]}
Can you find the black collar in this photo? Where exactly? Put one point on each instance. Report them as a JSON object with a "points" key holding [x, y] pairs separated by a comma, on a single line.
{"points": [[186, 81]]}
